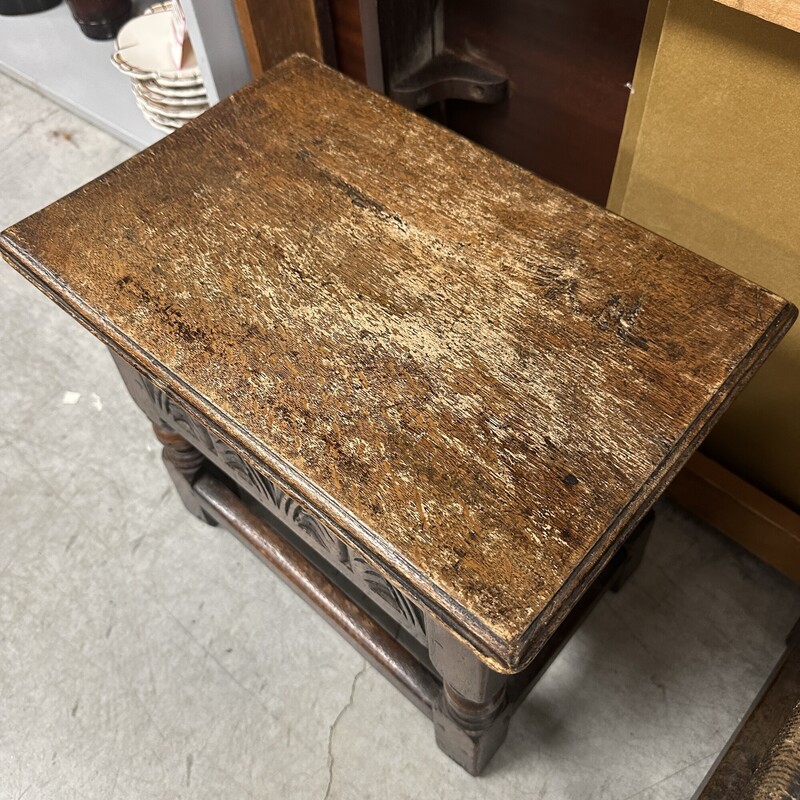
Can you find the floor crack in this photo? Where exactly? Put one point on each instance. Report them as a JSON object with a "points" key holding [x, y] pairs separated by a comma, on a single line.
{"points": [[333, 728], [27, 128]]}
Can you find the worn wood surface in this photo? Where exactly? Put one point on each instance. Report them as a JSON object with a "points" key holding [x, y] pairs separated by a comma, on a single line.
{"points": [[165, 414], [778, 775], [469, 703], [476, 379]]}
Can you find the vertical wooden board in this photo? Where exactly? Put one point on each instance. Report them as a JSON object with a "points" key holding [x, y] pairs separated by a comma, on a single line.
{"points": [[349, 39], [568, 64], [275, 29]]}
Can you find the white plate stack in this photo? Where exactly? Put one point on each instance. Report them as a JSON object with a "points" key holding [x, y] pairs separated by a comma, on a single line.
{"points": [[167, 96]]}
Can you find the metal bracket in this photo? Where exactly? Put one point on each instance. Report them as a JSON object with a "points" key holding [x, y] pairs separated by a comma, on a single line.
{"points": [[448, 76]]}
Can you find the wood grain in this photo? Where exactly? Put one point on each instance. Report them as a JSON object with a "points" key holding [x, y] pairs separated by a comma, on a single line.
{"points": [[568, 64], [785, 13], [274, 29], [346, 22], [477, 380]]}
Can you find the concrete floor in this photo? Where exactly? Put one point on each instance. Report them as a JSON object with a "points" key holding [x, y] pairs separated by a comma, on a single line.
{"points": [[145, 655]]}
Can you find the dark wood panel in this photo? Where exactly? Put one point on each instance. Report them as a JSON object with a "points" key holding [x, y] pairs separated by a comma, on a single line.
{"points": [[568, 64], [348, 38]]}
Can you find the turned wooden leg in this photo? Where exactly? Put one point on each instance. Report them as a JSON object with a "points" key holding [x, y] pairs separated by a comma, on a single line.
{"points": [[184, 463], [471, 716], [634, 551]]}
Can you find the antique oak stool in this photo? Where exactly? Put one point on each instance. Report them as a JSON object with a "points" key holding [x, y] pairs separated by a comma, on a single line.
{"points": [[436, 394]]}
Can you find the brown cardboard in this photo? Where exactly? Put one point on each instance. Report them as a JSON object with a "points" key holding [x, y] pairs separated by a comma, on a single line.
{"points": [[710, 158]]}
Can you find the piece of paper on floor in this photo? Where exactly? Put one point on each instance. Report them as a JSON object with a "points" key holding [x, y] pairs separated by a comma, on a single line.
{"points": [[95, 400], [70, 398]]}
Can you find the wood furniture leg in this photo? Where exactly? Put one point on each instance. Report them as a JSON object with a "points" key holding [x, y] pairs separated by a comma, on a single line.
{"points": [[472, 712], [469, 703], [184, 463]]}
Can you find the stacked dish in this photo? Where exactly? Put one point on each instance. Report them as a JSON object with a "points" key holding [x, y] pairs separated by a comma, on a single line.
{"points": [[167, 96]]}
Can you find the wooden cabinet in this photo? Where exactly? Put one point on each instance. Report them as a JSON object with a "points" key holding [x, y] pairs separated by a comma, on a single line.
{"points": [[567, 68]]}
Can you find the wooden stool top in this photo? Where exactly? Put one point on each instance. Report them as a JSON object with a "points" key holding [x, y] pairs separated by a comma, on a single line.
{"points": [[474, 378]]}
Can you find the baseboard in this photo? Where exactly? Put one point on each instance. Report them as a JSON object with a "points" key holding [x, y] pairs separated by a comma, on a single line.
{"points": [[753, 519]]}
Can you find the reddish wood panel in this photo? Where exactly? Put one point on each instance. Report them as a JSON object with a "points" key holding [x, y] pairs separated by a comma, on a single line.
{"points": [[346, 21], [568, 64], [275, 29]]}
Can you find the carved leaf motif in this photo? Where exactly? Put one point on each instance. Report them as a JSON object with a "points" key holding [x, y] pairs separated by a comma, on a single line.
{"points": [[410, 615], [282, 506]]}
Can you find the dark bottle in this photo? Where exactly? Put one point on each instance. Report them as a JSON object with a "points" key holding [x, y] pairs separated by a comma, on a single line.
{"points": [[100, 19], [13, 7]]}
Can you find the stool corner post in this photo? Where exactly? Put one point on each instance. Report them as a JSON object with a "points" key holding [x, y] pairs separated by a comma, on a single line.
{"points": [[472, 713]]}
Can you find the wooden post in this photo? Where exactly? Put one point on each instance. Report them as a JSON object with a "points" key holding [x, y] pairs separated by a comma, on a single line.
{"points": [[471, 716], [184, 462]]}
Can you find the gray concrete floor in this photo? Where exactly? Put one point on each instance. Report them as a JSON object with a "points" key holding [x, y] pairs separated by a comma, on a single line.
{"points": [[145, 655]]}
